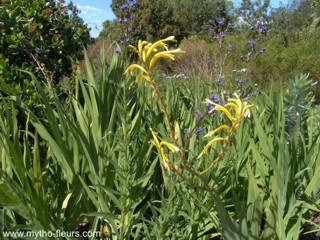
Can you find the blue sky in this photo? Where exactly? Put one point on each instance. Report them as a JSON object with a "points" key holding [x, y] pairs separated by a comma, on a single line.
{"points": [[95, 12]]}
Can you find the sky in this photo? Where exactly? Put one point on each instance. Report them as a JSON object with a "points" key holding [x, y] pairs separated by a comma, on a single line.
{"points": [[95, 12]]}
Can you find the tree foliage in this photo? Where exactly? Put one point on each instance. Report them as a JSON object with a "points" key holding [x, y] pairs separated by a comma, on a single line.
{"points": [[158, 19], [37, 35]]}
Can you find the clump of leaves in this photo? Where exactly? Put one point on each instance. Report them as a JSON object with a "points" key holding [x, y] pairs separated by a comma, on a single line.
{"points": [[298, 101]]}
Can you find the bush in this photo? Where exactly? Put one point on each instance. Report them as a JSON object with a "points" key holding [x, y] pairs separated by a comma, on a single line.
{"points": [[39, 37]]}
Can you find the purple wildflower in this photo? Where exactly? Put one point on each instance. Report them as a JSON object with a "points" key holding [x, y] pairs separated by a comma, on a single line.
{"points": [[200, 114], [251, 42], [123, 6], [215, 99], [262, 50], [254, 26], [239, 80], [263, 29], [209, 106], [220, 80], [132, 2], [231, 47], [220, 21], [199, 130]]}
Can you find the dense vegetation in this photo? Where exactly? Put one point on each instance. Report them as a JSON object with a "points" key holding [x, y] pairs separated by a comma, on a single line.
{"points": [[222, 143], [42, 37]]}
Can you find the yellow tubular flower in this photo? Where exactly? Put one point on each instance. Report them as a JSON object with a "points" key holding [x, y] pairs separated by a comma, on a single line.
{"points": [[164, 54], [207, 147], [159, 145], [140, 46], [217, 130], [134, 49], [159, 43], [239, 108], [145, 51], [132, 67], [141, 76], [220, 108]]}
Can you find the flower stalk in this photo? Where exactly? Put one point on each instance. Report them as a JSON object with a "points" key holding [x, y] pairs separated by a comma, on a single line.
{"points": [[235, 110], [149, 54]]}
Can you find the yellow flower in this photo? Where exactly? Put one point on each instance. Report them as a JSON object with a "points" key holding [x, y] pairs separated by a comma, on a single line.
{"points": [[159, 146], [145, 51], [239, 107], [240, 110], [207, 147]]}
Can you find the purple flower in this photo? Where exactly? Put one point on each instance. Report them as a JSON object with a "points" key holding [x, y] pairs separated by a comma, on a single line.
{"points": [[254, 26], [186, 130], [132, 16], [215, 99], [200, 114], [251, 42], [121, 41], [222, 34], [220, 80], [239, 80], [262, 50], [132, 2], [117, 50], [263, 29], [127, 39], [249, 54], [123, 6], [209, 106], [220, 21], [214, 37], [199, 130], [231, 47]]}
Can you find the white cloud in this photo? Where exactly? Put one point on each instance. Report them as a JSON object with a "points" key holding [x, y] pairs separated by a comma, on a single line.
{"points": [[95, 15], [88, 8]]}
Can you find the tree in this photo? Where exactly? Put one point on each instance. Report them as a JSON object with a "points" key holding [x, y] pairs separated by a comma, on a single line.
{"points": [[158, 19], [297, 15], [39, 35], [253, 12]]}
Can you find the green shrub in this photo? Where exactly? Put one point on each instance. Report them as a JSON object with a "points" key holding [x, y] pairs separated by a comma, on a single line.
{"points": [[40, 37]]}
